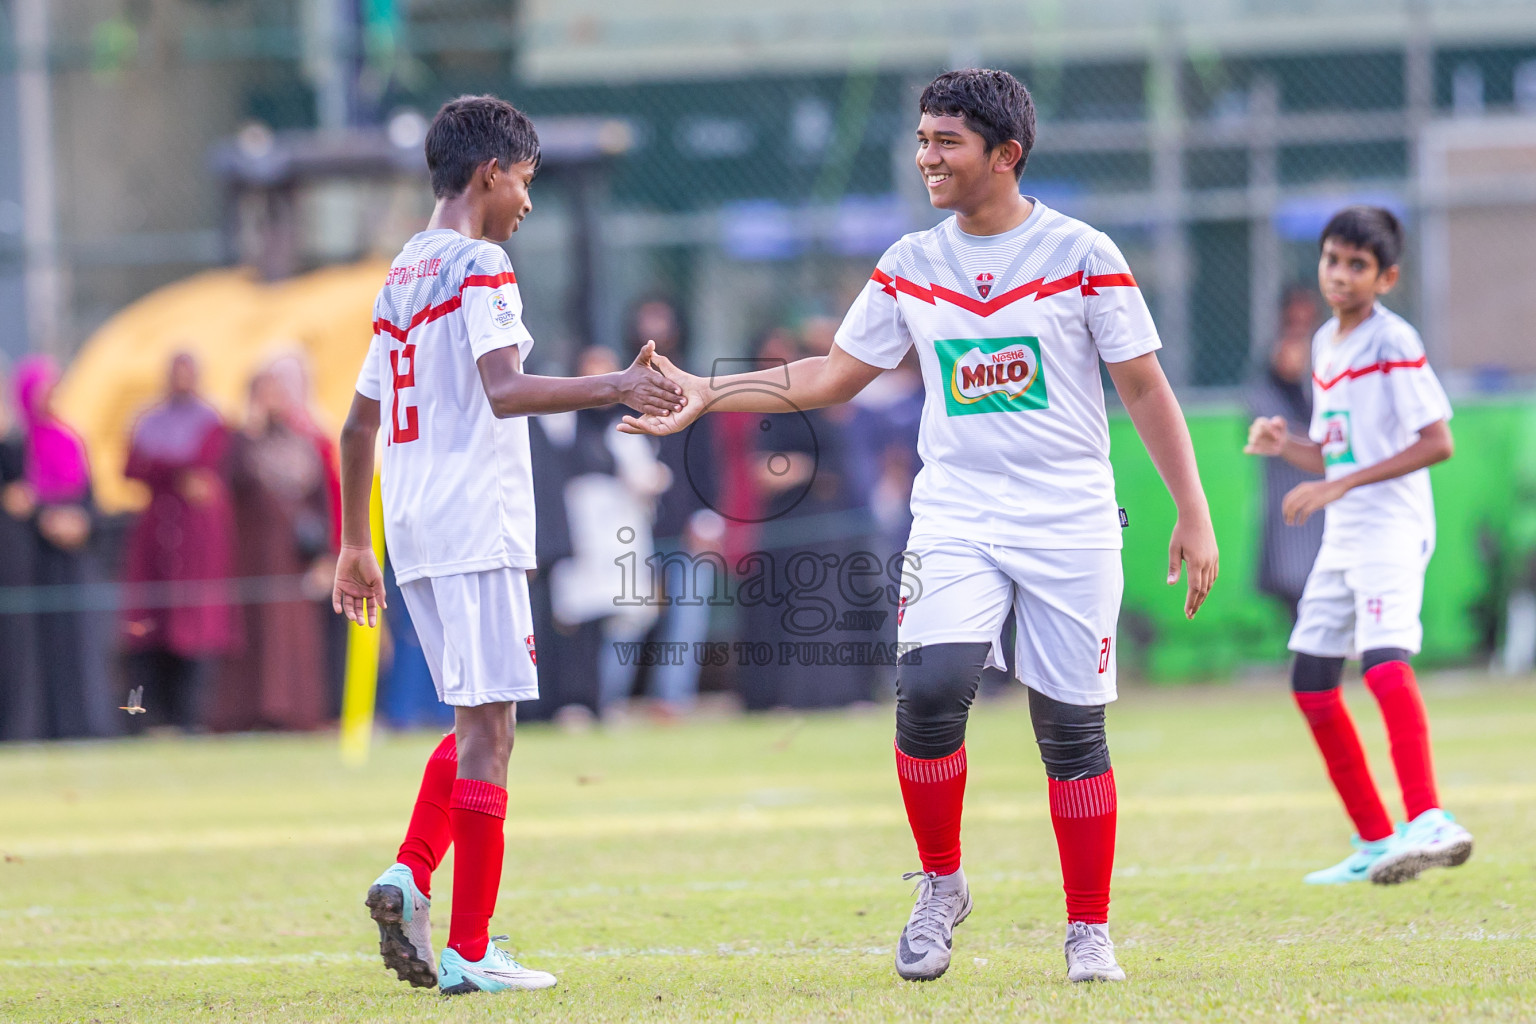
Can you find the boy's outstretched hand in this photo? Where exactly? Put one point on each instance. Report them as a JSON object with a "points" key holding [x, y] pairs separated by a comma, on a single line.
{"points": [[1194, 544], [643, 387], [359, 589], [1309, 497], [695, 398], [1266, 436]]}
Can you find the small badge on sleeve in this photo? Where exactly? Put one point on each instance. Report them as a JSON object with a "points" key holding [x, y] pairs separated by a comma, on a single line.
{"points": [[502, 313], [1125, 520]]}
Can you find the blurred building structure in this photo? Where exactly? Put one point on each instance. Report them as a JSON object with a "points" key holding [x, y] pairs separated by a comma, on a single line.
{"points": [[772, 146], [1212, 138]]}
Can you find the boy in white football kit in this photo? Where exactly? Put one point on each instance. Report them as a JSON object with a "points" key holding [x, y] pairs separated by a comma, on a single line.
{"points": [[1011, 307], [1379, 420], [444, 374]]}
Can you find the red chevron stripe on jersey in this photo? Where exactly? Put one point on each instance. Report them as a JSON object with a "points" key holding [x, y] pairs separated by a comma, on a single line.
{"points": [[1040, 288], [442, 309], [424, 316], [1385, 366], [1108, 281], [488, 280]]}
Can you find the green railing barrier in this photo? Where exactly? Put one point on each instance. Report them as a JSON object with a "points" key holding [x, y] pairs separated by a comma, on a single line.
{"points": [[1485, 503]]}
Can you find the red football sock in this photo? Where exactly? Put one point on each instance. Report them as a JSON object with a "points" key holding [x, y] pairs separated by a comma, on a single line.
{"points": [[1334, 731], [478, 813], [934, 792], [1083, 814], [1396, 690], [428, 836]]}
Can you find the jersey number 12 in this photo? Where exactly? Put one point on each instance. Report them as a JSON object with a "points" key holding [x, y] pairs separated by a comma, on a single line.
{"points": [[410, 430]]}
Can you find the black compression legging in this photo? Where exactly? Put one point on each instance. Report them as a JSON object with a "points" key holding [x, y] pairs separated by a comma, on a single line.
{"points": [[935, 687]]}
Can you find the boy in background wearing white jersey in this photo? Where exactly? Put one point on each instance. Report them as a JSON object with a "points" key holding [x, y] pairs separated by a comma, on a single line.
{"points": [[446, 360], [1379, 419], [1011, 306]]}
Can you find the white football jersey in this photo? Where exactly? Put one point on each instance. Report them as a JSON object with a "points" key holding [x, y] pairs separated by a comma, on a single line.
{"points": [[457, 481], [1009, 331], [1372, 392]]}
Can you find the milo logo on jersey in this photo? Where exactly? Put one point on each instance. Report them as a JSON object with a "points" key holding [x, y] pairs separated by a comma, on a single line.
{"points": [[1336, 447], [991, 375]]}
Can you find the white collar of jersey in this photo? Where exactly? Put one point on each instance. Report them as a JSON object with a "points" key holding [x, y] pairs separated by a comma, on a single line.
{"points": [[1362, 329], [1029, 224]]}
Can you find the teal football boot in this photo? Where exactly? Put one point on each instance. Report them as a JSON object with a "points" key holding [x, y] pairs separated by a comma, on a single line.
{"points": [[1354, 868], [1432, 840], [405, 930]]}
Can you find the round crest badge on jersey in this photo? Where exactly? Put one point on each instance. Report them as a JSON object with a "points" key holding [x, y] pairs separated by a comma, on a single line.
{"points": [[502, 313]]}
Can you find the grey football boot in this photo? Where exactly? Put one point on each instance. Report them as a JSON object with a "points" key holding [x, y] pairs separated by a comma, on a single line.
{"points": [[943, 901], [1090, 954]]}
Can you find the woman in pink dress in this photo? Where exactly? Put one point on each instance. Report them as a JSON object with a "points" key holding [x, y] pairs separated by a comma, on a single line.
{"points": [[73, 698]]}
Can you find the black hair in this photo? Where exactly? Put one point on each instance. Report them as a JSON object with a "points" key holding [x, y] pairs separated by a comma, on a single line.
{"points": [[632, 336], [470, 130], [994, 104], [1298, 292], [1368, 227]]}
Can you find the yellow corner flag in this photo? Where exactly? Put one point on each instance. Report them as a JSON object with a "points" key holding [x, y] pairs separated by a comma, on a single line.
{"points": [[362, 681]]}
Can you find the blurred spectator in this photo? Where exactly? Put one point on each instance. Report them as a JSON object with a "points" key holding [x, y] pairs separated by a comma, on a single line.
{"points": [[1283, 388], [283, 533], [896, 399], [295, 403], [290, 372], [685, 619], [814, 519], [882, 440], [686, 528], [749, 486], [832, 522], [610, 506], [180, 553], [20, 691], [72, 699], [741, 499], [567, 653]]}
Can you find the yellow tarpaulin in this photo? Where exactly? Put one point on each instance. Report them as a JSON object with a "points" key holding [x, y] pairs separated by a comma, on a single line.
{"points": [[234, 323]]}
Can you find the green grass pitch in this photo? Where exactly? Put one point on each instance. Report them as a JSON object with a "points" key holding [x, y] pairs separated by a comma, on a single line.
{"points": [[749, 869]]}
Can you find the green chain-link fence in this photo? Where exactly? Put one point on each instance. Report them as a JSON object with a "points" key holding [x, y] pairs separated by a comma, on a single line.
{"points": [[757, 198]]}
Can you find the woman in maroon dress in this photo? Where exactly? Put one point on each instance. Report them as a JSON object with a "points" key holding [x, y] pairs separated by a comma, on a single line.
{"points": [[180, 554], [283, 521]]}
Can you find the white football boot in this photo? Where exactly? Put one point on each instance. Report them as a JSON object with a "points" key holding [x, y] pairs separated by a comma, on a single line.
{"points": [[496, 971], [943, 901]]}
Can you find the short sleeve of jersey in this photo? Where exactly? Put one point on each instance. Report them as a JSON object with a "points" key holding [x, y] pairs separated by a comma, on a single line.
{"points": [[492, 305], [368, 383], [1117, 314], [1417, 397], [873, 331], [1315, 429]]}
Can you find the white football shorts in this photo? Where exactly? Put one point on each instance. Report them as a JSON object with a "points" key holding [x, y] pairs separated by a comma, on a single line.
{"points": [[476, 630], [1346, 612], [1066, 604]]}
